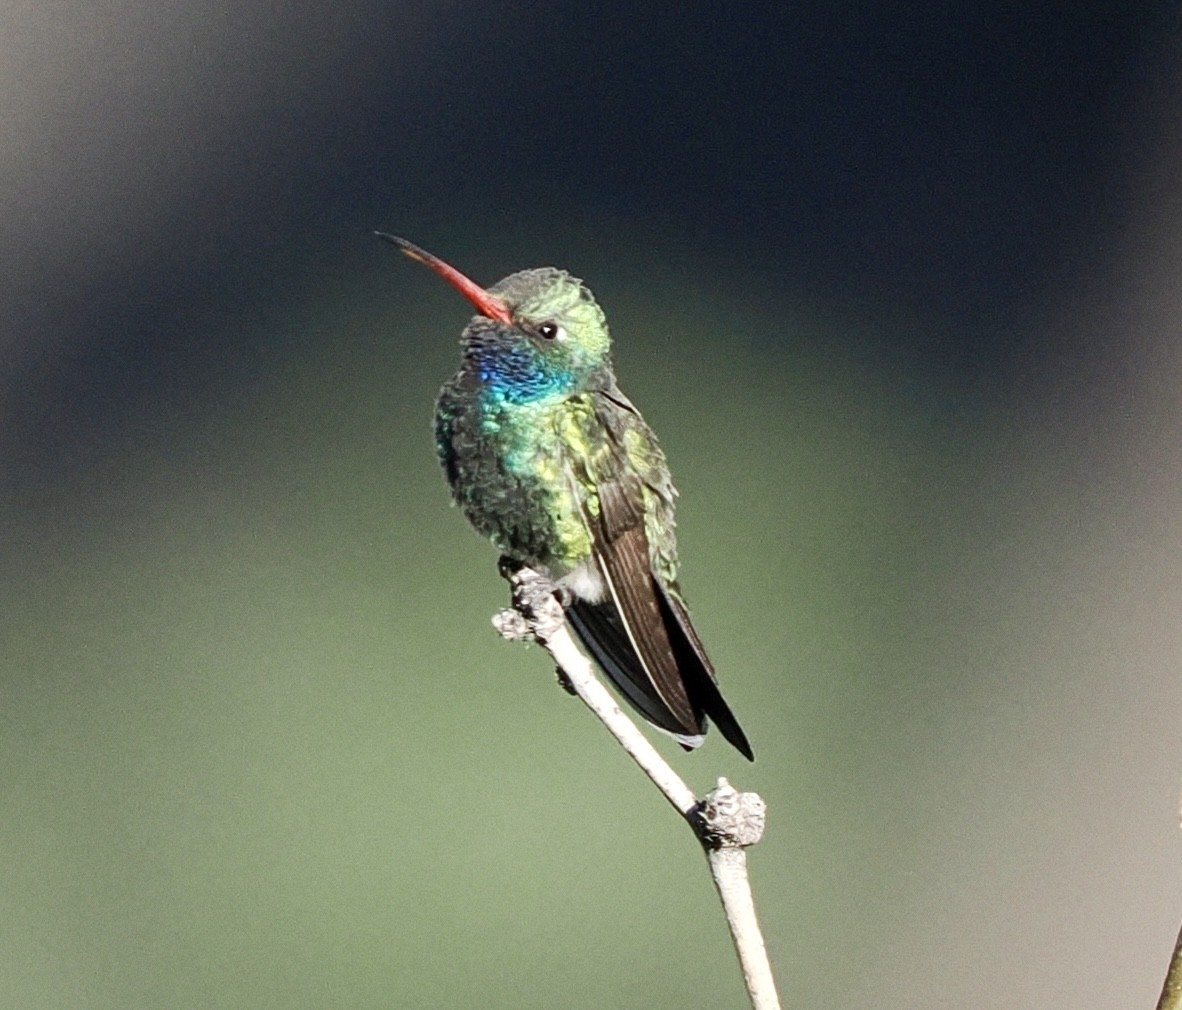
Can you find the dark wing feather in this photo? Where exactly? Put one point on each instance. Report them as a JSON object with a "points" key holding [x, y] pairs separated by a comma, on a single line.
{"points": [[623, 556], [700, 681], [642, 635], [602, 631]]}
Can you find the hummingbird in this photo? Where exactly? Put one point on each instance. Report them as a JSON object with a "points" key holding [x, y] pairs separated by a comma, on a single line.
{"points": [[551, 461]]}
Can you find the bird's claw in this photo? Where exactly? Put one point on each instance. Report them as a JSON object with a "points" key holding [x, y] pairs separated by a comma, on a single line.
{"points": [[508, 567], [537, 611]]}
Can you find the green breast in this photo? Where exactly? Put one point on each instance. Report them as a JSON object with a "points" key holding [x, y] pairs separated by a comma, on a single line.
{"points": [[510, 470]]}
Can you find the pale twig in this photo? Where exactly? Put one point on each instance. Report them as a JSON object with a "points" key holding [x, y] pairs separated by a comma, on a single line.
{"points": [[725, 823], [1171, 990]]}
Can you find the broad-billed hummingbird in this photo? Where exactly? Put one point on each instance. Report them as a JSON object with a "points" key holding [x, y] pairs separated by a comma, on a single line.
{"points": [[554, 464]]}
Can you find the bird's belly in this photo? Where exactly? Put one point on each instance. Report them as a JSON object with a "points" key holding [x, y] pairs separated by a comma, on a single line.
{"points": [[518, 492]]}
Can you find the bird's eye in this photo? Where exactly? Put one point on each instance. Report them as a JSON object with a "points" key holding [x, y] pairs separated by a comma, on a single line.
{"points": [[551, 331]]}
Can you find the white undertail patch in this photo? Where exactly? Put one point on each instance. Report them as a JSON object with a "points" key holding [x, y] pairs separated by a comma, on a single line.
{"points": [[585, 582]]}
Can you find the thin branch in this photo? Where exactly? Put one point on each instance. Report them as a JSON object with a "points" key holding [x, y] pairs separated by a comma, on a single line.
{"points": [[538, 616], [725, 823], [1171, 990], [733, 821]]}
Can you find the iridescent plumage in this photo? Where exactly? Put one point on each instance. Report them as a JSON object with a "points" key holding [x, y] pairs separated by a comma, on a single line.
{"points": [[550, 461]]}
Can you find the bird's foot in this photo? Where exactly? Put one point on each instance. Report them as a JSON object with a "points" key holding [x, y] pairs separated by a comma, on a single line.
{"points": [[537, 612], [508, 567], [564, 681]]}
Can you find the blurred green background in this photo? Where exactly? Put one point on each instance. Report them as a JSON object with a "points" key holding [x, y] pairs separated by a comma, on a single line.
{"points": [[259, 746]]}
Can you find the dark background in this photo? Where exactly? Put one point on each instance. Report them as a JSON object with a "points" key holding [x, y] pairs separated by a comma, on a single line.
{"points": [[897, 286]]}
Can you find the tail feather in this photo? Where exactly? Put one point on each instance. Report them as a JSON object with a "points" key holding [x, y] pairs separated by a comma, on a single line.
{"points": [[602, 631], [698, 673]]}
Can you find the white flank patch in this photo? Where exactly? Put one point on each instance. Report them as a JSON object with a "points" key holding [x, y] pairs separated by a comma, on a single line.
{"points": [[585, 582]]}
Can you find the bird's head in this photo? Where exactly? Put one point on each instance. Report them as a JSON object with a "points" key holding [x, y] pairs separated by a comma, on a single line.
{"points": [[538, 334]]}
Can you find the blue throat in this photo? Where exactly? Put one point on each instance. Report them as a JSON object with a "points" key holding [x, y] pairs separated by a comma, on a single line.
{"points": [[519, 377]]}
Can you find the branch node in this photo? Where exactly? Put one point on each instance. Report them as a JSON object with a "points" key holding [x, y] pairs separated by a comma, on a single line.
{"points": [[536, 614], [729, 819], [511, 626]]}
